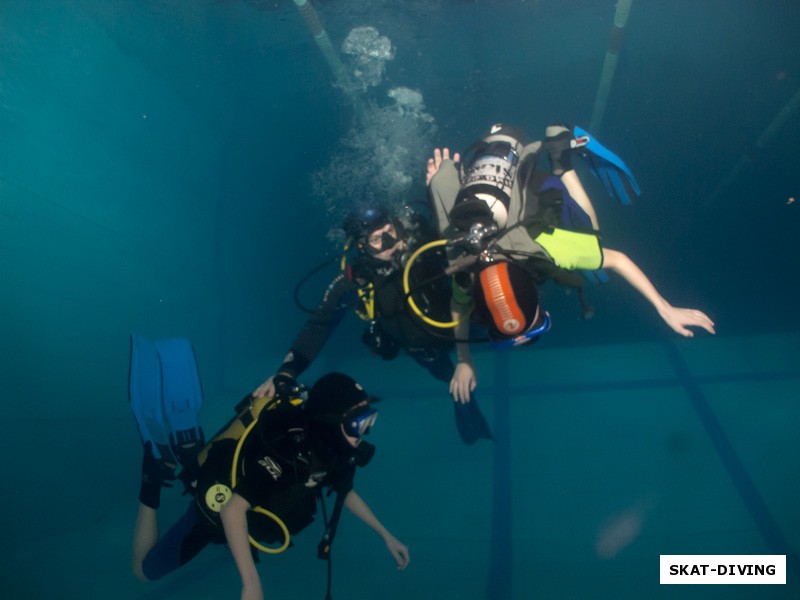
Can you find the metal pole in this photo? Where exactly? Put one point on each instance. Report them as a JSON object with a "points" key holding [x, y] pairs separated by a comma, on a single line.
{"points": [[610, 63], [314, 25]]}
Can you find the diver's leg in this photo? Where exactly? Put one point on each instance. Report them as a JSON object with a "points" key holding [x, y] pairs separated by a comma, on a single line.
{"points": [[155, 474], [145, 537], [578, 193], [181, 543]]}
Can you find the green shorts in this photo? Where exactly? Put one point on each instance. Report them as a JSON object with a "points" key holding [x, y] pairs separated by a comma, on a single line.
{"points": [[572, 250]]}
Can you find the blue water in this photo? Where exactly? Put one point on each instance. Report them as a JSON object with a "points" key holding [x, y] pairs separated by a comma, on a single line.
{"points": [[163, 170]]}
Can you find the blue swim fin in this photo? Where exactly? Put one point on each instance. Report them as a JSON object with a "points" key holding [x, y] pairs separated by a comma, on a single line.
{"points": [[609, 168], [181, 396], [145, 398], [166, 397]]}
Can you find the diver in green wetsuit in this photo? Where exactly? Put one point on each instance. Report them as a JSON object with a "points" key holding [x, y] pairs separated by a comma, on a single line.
{"points": [[527, 224]]}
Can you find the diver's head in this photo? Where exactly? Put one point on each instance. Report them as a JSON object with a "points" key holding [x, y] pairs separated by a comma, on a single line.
{"points": [[340, 413], [375, 232], [509, 134], [508, 303], [489, 169]]}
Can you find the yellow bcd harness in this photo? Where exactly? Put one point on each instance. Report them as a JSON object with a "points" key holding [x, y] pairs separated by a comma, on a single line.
{"points": [[367, 296], [219, 494], [366, 293]]}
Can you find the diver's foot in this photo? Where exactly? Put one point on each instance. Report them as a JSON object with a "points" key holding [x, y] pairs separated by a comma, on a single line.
{"points": [[156, 471]]}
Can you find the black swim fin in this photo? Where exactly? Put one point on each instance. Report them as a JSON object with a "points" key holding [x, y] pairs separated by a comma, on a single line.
{"points": [[470, 422]]}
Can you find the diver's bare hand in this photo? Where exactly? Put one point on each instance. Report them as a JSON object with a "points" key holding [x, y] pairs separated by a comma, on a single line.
{"points": [[680, 319], [435, 162], [462, 383], [265, 389], [398, 550]]}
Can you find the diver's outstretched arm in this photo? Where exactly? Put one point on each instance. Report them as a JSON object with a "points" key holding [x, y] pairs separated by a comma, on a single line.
{"points": [[316, 332], [679, 319], [463, 381], [234, 521], [360, 509]]}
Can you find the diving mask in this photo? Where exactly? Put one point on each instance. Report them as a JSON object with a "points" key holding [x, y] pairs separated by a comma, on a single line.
{"points": [[359, 421], [383, 241]]}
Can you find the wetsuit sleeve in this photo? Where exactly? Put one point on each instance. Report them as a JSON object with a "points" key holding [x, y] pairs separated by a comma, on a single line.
{"points": [[443, 190], [344, 481], [319, 326]]}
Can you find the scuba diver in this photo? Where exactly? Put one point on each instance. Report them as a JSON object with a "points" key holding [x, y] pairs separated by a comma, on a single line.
{"points": [[509, 224], [371, 283], [258, 481]]}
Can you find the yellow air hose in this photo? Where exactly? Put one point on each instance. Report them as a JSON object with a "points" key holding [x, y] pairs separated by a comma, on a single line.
{"points": [[259, 509], [407, 290]]}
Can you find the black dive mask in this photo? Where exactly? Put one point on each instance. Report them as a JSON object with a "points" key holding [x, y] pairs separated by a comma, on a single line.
{"points": [[388, 241], [362, 454]]}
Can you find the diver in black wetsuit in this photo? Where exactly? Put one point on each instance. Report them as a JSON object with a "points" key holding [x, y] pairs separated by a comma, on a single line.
{"points": [[372, 285], [257, 482]]}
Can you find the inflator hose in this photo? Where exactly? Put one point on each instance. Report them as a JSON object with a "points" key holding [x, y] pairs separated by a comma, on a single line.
{"points": [[258, 509], [407, 289]]}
